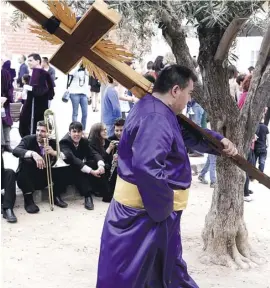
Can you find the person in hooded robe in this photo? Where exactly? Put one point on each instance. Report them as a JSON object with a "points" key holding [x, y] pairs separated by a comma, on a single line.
{"points": [[7, 76], [40, 92]]}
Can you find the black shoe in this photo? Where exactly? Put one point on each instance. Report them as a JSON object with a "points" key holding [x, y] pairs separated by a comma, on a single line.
{"points": [[60, 203], [10, 216], [7, 148], [250, 191], [29, 204], [88, 203]]}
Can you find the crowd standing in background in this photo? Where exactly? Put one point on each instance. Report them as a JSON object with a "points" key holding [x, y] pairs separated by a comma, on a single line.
{"points": [[91, 162]]}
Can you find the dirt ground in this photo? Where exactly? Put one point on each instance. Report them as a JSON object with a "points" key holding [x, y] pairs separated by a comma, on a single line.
{"points": [[60, 248]]}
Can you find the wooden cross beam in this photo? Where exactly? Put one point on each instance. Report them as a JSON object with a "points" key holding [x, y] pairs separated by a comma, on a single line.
{"points": [[81, 41]]}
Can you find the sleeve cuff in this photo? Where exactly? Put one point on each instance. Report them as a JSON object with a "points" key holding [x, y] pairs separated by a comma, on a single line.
{"points": [[28, 154], [63, 156], [86, 169], [101, 163]]}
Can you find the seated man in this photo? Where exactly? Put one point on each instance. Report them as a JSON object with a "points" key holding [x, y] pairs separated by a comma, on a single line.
{"points": [[118, 130], [76, 153], [8, 183], [31, 172]]}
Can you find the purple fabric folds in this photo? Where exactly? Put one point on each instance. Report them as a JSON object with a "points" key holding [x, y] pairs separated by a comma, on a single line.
{"points": [[141, 248]]}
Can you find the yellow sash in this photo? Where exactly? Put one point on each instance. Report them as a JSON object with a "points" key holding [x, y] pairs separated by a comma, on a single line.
{"points": [[128, 194]]}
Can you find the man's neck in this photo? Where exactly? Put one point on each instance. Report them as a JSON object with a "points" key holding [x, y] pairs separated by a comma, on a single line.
{"points": [[163, 98]]}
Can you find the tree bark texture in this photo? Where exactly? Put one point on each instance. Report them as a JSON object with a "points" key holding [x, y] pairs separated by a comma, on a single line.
{"points": [[225, 235]]}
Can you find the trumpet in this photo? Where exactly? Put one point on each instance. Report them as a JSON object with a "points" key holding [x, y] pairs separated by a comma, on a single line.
{"points": [[49, 119]]}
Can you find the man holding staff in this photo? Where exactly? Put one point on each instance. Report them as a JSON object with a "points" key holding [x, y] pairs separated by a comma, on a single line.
{"points": [[141, 243]]}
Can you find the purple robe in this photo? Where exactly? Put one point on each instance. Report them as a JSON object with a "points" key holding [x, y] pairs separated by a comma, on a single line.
{"points": [[141, 248], [42, 92], [7, 90]]}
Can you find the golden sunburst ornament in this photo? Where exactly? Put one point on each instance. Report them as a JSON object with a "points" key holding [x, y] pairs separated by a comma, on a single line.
{"points": [[44, 35], [107, 48], [62, 12]]}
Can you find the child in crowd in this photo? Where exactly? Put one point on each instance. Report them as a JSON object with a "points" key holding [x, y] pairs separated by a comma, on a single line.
{"points": [[118, 130]]}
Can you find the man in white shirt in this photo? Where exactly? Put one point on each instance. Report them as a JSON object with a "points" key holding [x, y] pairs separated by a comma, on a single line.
{"points": [[79, 90]]}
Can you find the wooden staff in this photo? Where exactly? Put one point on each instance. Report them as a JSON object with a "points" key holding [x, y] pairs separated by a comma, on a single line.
{"points": [[238, 160]]}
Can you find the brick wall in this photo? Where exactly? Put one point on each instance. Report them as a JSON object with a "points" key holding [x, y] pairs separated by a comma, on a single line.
{"points": [[20, 41]]}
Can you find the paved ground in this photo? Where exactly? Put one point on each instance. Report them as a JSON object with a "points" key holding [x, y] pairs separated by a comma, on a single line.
{"points": [[60, 248]]}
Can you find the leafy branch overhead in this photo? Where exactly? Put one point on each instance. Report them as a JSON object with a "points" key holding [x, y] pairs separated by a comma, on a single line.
{"points": [[142, 18]]}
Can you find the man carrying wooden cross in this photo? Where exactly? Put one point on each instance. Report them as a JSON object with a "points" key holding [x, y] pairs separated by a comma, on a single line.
{"points": [[141, 242]]}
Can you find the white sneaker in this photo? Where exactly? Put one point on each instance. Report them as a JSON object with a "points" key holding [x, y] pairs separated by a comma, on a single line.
{"points": [[247, 198]]}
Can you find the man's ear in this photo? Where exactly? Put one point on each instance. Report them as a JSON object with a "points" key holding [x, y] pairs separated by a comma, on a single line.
{"points": [[175, 90], [69, 133]]}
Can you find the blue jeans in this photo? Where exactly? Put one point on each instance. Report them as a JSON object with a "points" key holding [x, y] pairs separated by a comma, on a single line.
{"points": [[261, 155], [110, 130], [210, 165], [76, 100], [197, 117], [198, 113]]}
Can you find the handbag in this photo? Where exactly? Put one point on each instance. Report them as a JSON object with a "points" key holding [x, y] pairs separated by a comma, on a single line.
{"points": [[66, 97]]}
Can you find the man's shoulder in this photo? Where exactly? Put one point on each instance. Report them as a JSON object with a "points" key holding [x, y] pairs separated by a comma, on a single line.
{"points": [[29, 138], [149, 105], [66, 139]]}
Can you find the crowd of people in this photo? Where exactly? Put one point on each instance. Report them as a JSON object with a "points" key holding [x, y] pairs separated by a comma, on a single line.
{"points": [[91, 162], [239, 84]]}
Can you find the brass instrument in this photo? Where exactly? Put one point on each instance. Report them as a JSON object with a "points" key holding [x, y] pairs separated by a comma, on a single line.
{"points": [[49, 119], [114, 162]]}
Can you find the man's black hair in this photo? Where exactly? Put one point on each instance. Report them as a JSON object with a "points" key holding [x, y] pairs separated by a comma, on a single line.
{"points": [[110, 79], [35, 56], [46, 59], [240, 78], [24, 58], [171, 76], [251, 68], [150, 65], [150, 78], [75, 126], [26, 78], [119, 122], [43, 124]]}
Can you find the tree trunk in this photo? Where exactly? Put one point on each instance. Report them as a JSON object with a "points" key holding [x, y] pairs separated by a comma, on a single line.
{"points": [[225, 235]]}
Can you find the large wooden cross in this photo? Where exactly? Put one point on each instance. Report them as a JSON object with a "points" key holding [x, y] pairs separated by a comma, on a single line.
{"points": [[81, 39]]}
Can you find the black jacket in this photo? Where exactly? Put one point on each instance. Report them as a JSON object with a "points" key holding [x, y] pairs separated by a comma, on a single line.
{"points": [[30, 143], [107, 158], [95, 84], [77, 156]]}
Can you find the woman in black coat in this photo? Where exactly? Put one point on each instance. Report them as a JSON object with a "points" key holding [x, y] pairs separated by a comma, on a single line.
{"points": [[99, 142], [95, 89]]}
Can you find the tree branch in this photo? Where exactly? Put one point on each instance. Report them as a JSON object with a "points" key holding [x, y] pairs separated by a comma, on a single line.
{"points": [[258, 95], [228, 37]]}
